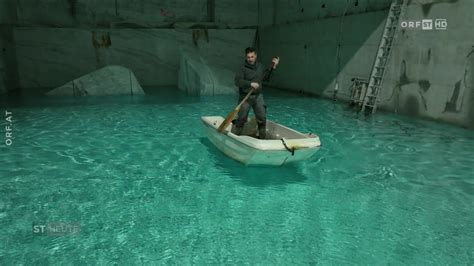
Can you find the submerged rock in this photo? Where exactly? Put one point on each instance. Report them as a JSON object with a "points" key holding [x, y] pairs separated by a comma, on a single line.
{"points": [[110, 80]]}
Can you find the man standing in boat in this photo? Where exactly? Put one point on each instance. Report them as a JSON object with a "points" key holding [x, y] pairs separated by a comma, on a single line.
{"points": [[251, 74]]}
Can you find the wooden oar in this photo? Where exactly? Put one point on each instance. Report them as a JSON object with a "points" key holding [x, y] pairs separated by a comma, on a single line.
{"points": [[232, 114]]}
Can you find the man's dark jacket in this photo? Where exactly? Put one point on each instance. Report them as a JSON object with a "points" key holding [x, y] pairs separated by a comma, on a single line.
{"points": [[248, 73]]}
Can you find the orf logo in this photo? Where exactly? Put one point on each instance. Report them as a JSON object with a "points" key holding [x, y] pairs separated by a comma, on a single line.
{"points": [[427, 24], [441, 24]]}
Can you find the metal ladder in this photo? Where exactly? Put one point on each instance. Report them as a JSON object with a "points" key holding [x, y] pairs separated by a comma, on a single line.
{"points": [[381, 60], [358, 90]]}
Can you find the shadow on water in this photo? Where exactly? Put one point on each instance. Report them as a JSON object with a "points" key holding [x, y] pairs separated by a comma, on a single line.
{"points": [[255, 176]]}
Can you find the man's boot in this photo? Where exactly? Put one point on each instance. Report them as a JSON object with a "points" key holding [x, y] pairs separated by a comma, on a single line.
{"points": [[262, 132], [238, 130]]}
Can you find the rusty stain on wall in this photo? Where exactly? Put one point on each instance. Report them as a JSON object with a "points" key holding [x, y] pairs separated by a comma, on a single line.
{"points": [[457, 97], [470, 87], [165, 13], [451, 105], [411, 104], [424, 84], [103, 41], [200, 34], [72, 8], [100, 41]]}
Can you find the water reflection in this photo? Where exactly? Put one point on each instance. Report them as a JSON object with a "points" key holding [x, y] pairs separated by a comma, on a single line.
{"points": [[162, 95], [255, 176]]}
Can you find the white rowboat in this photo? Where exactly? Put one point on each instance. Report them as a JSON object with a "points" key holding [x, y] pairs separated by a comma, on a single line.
{"points": [[281, 146]]}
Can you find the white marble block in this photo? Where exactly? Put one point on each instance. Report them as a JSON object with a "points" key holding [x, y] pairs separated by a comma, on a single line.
{"points": [[110, 80]]}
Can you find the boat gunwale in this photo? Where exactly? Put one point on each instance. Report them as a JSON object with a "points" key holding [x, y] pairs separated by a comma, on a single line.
{"points": [[241, 139]]}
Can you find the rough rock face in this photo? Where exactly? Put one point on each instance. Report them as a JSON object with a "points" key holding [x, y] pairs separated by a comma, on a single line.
{"points": [[198, 77], [110, 80]]}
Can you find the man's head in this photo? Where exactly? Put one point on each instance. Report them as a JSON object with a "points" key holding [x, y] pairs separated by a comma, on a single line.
{"points": [[251, 55]]}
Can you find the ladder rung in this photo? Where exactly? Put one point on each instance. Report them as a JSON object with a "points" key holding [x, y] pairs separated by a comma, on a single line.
{"points": [[374, 85], [392, 26], [393, 18], [374, 102]]}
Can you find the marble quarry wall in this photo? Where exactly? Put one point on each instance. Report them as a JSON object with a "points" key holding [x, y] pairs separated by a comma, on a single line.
{"points": [[430, 73], [54, 42]]}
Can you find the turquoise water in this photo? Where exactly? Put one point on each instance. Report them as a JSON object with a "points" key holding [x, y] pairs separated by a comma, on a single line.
{"points": [[146, 186]]}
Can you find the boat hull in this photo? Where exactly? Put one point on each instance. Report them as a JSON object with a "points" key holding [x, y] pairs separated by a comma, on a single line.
{"points": [[252, 151]]}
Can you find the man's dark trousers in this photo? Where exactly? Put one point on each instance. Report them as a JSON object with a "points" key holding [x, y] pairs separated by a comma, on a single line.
{"points": [[259, 108]]}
